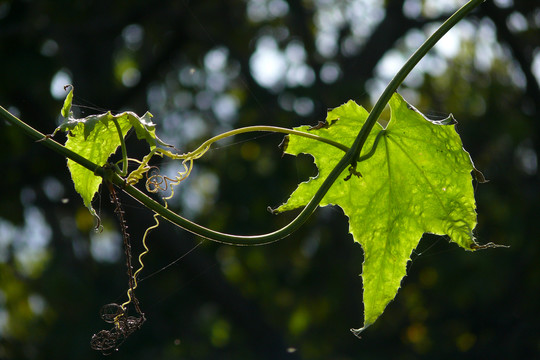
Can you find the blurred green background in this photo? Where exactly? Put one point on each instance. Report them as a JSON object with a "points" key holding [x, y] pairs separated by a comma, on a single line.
{"points": [[203, 67]]}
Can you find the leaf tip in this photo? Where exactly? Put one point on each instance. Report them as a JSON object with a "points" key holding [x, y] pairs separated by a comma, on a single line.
{"points": [[480, 178], [487, 246], [146, 119], [450, 120], [66, 108], [325, 124], [358, 332], [284, 144]]}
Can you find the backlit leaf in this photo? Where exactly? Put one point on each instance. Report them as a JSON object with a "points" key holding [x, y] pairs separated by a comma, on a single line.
{"points": [[96, 138], [97, 145], [418, 181]]}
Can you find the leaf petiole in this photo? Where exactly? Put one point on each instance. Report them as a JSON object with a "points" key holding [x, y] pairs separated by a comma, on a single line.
{"points": [[373, 147], [124, 170]]}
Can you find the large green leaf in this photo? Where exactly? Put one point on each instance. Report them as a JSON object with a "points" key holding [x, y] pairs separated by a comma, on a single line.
{"points": [[96, 138], [418, 181]]}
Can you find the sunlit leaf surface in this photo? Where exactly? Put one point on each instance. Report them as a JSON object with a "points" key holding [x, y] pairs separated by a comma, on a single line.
{"points": [[418, 181], [96, 138]]}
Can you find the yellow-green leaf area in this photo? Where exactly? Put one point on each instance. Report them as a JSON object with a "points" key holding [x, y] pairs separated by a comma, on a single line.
{"points": [[96, 138], [144, 127], [97, 146], [417, 181]]}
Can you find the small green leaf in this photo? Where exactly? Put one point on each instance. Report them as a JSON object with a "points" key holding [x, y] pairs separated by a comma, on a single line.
{"points": [[96, 138], [417, 181], [66, 109]]}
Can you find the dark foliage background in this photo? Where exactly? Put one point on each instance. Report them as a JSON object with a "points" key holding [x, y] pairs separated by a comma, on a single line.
{"points": [[202, 67]]}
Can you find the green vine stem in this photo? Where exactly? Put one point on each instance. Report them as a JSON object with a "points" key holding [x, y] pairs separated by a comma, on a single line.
{"points": [[349, 159], [405, 70], [51, 144], [204, 146]]}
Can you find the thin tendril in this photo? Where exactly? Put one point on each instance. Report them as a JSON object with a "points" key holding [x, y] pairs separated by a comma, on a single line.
{"points": [[155, 183], [146, 251]]}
